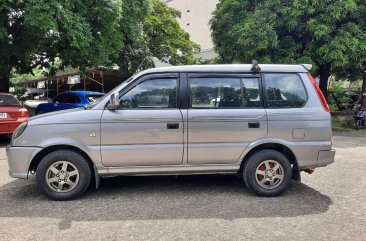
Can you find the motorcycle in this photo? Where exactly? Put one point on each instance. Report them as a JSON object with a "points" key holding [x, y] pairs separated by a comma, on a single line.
{"points": [[360, 118]]}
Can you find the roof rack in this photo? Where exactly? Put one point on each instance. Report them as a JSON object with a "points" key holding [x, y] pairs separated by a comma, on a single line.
{"points": [[255, 67]]}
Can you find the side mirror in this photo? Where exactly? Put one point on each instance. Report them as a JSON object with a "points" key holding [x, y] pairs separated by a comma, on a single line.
{"points": [[113, 101]]}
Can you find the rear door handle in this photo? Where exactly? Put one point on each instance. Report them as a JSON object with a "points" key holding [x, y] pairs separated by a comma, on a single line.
{"points": [[253, 125], [172, 125]]}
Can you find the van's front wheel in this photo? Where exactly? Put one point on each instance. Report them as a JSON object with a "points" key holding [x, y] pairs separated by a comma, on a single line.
{"points": [[267, 173], [63, 175]]}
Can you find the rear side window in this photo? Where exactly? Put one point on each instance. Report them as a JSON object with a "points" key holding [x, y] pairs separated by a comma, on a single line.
{"points": [[93, 98], [8, 100], [285, 91], [67, 98], [218, 92]]}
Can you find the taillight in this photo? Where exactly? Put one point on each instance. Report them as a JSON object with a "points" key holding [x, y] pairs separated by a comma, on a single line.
{"points": [[319, 93], [23, 112]]}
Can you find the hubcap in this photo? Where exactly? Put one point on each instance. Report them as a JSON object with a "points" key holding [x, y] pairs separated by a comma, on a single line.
{"points": [[62, 176], [269, 174]]}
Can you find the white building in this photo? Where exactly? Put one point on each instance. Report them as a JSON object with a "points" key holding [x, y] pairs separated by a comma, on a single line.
{"points": [[196, 15]]}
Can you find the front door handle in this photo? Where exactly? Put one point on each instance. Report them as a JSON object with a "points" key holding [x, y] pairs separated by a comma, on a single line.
{"points": [[253, 124], [172, 125]]}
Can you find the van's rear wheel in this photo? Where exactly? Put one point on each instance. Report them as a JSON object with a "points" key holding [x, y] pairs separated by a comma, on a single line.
{"points": [[267, 173], [63, 175]]}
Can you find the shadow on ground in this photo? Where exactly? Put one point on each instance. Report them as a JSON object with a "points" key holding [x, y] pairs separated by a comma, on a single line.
{"points": [[164, 197], [4, 140]]}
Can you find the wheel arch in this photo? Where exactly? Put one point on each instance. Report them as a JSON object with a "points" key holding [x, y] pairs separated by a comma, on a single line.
{"points": [[276, 147], [47, 150]]}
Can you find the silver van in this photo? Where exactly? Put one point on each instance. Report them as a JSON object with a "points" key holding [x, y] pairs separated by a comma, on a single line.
{"points": [[266, 122]]}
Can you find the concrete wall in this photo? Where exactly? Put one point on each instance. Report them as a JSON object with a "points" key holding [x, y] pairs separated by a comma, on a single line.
{"points": [[196, 15]]}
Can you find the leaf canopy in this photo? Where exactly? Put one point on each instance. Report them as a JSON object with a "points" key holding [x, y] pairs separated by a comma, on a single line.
{"points": [[319, 32], [89, 33]]}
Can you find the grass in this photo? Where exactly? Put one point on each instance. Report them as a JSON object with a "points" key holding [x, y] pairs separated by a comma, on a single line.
{"points": [[345, 124]]}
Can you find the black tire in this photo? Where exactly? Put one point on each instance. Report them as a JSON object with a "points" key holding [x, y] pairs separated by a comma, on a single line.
{"points": [[254, 162], [82, 166], [9, 136]]}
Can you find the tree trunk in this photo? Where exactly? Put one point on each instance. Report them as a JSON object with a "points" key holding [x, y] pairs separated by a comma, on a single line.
{"points": [[363, 89], [4, 80], [324, 73]]}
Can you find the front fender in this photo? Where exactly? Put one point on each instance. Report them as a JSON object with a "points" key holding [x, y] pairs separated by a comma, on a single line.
{"points": [[93, 151]]}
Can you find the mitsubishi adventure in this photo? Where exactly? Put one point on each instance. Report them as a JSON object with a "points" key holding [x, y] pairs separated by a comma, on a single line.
{"points": [[265, 122]]}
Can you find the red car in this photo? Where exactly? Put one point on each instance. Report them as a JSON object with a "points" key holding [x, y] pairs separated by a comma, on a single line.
{"points": [[12, 113]]}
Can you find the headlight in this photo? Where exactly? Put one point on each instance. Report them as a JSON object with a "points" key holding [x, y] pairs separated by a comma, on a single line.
{"points": [[20, 129]]}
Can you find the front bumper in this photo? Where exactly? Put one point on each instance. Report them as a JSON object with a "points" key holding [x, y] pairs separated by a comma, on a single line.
{"points": [[325, 157], [19, 159]]}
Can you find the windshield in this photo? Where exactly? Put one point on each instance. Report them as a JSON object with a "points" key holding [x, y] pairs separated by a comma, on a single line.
{"points": [[94, 97], [92, 104], [8, 100]]}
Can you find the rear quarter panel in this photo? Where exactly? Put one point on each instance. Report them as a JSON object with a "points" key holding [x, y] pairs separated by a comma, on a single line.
{"points": [[307, 130]]}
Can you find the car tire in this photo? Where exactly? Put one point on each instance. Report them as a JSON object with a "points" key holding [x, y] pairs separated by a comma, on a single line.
{"points": [[63, 175], [267, 173], [9, 137]]}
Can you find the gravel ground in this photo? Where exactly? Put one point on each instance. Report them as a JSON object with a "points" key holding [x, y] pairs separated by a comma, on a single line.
{"points": [[328, 205]]}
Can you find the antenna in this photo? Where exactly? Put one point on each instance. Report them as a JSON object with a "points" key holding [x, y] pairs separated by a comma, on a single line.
{"points": [[138, 68], [255, 66]]}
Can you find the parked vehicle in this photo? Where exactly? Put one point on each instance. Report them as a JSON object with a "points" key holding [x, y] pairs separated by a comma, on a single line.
{"points": [[12, 113], [68, 100], [360, 118], [267, 123]]}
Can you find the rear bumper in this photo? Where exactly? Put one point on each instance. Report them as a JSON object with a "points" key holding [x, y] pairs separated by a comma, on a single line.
{"points": [[19, 159], [8, 127], [325, 158], [312, 154]]}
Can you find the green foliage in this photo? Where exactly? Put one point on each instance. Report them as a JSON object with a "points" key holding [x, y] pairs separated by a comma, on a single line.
{"points": [[338, 100], [20, 93], [155, 33], [88, 33], [35, 33], [56, 68], [81, 33], [215, 60], [336, 88], [15, 77], [167, 41], [351, 72], [323, 33]]}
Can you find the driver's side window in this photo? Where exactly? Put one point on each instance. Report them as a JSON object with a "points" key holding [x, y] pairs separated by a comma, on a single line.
{"points": [[152, 93]]}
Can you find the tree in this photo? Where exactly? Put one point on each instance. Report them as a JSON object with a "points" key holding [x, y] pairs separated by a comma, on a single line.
{"points": [[358, 56], [88, 33], [356, 67], [166, 39], [317, 32], [153, 32], [34, 33]]}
